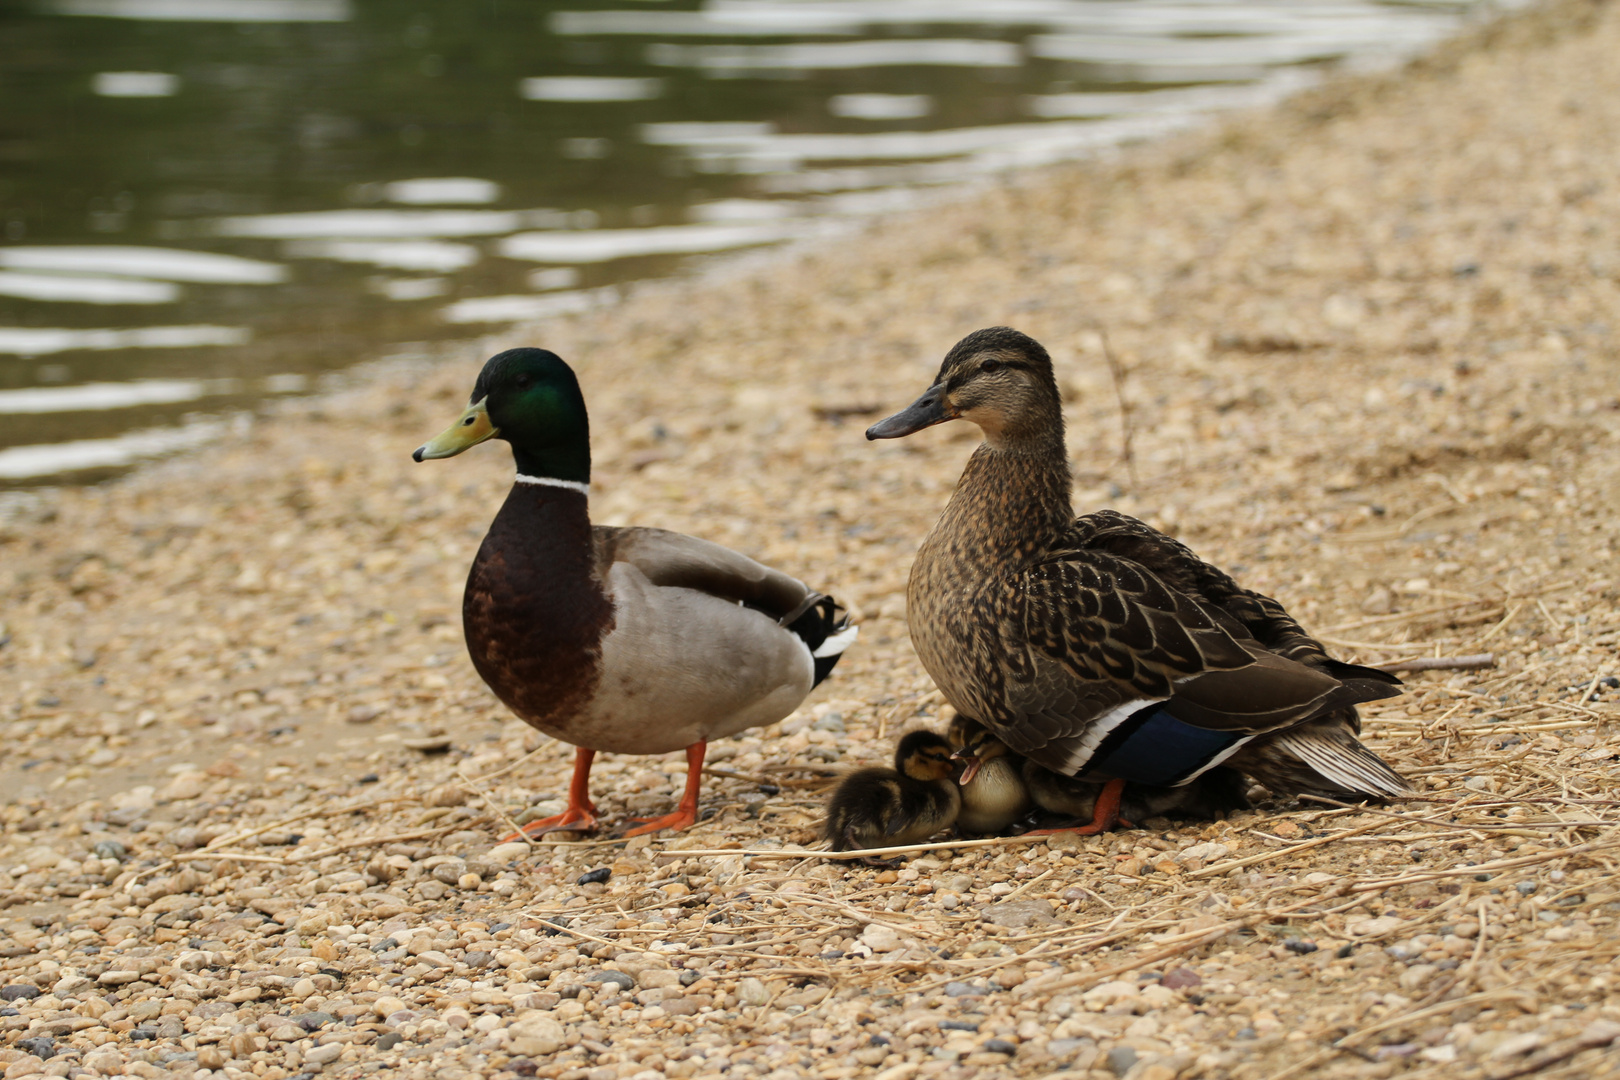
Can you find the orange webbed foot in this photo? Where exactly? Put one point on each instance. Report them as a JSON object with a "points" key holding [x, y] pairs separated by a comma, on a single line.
{"points": [[1104, 816], [681, 819], [573, 819]]}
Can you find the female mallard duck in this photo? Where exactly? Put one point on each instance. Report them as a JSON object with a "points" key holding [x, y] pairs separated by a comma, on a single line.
{"points": [[1096, 646], [631, 641], [878, 807], [993, 791]]}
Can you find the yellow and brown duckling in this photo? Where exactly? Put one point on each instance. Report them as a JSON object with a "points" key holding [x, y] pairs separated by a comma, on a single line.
{"points": [[877, 807], [994, 795], [1096, 646], [625, 640]]}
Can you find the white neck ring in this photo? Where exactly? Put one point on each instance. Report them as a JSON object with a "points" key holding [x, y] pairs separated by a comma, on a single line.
{"points": [[551, 481]]}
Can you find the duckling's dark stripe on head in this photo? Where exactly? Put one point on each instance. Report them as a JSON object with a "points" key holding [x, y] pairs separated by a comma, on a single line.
{"points": [[1153, 747]]}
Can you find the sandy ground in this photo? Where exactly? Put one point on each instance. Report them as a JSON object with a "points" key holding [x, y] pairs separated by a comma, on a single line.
{"points": [[252, 787]]}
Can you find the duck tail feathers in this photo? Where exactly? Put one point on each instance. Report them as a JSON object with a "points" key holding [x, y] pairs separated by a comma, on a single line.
{"points": [[1367, 683], [1340, 762], [824, 627], [837, 643]]}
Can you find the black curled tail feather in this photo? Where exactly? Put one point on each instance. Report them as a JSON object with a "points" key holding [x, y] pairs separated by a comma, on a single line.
{"points": [[824, 626]]}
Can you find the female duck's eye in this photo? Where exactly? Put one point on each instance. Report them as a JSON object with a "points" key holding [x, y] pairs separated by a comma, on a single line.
{"points": [[990, 367]]}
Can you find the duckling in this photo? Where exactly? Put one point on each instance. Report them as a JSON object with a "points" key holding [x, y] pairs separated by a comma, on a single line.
{"points": [[993, 791], [1214, 792], [1096, 645], [877, 807], [624, 640]]}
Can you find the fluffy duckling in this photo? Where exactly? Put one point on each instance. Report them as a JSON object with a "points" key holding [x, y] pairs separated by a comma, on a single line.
{"points": [[993, 792], [1215, 792], [878, 807]]}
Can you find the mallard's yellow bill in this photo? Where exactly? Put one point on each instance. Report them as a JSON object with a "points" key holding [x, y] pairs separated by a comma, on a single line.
{"points": [[471, 428]]}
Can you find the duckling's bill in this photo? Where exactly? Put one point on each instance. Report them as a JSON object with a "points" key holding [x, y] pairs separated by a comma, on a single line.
{"points": [[471, 428], [930, 409], [970, 766]]}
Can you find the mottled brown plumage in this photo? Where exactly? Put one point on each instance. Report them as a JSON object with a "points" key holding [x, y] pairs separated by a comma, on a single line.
{"points": [[1097, 646]]}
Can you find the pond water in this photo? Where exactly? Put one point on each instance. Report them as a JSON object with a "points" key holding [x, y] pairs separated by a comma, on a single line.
{"points": [[207, 202]]}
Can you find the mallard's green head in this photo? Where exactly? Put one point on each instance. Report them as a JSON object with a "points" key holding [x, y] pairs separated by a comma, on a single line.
{"points": [[530, 398], [997, 378]]}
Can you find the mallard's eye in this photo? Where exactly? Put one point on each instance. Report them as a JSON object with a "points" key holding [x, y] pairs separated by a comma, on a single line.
{"points": [[990, 367], [470, 421]]}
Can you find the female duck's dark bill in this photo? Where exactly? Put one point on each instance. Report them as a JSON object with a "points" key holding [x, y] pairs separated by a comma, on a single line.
{"points": [[471, 428], [926, 411]]}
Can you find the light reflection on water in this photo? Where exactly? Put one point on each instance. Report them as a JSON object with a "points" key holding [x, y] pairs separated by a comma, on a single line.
{"points": [[212, 201]]}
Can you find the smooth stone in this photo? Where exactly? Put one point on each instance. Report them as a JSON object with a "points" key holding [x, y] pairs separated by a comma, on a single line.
{"points": [[617, 978], [1120, 1060]]}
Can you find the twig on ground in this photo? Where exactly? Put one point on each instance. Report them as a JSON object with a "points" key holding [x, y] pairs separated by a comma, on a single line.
{"points": [[497, 809], [1267, 856], [1442, 663]]}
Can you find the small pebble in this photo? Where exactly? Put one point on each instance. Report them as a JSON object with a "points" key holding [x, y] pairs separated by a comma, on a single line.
{"points": [[388, 1040], [1302, 947], [999, 1046], [19, 992], [1120, 1060], [40, 1047], [614, 978], [962, 989], [599, 876], [958, 1025], [1525, 887], [110, 849], [314, 1021]]}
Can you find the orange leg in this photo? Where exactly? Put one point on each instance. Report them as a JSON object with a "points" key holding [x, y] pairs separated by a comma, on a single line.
{"points": [[1104, 816], [581, 813], [686, 813]]}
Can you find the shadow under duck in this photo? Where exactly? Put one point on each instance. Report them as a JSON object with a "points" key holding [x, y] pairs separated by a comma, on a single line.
{"points": [[994, 795], [1218, 791], [877, 807], [999, 788], [1096, 646], [624, 640]]}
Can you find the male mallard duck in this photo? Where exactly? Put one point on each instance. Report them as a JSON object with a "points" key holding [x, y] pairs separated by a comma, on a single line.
{"points": [[878, 807], [993, 791], [631, 641], [1099, 647]]}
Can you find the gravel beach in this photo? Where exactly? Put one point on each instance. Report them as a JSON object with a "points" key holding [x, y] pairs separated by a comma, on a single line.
{"points": [[1361, 350]]}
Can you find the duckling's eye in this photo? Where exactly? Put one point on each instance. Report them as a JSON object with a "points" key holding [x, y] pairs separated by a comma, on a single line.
{"points": [[990, 367]]}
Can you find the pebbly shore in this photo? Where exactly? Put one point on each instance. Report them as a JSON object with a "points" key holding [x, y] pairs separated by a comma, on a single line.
{"points": [[1360, 349]]}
